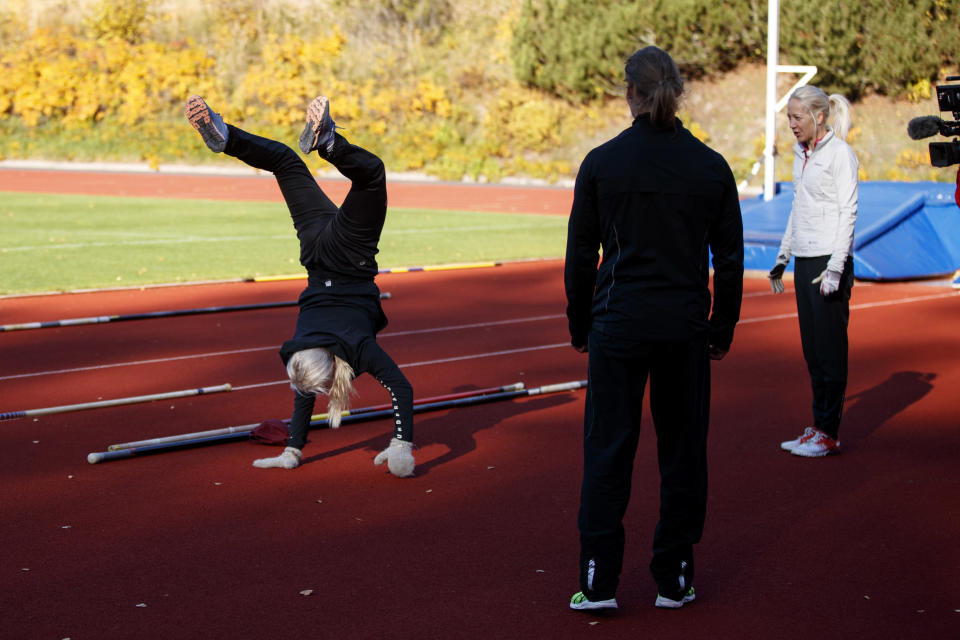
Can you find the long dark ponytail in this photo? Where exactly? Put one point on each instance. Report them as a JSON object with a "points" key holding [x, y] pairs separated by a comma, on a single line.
{"points": [[657, 82]]}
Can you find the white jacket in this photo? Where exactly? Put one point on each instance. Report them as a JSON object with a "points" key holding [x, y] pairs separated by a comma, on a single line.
{"points": [[825, 185]]}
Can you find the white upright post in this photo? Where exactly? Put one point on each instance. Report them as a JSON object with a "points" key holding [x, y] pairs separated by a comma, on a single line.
{"points": [[773, 47]]}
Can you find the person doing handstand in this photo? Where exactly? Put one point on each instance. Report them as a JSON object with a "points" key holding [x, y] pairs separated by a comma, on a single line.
{"points": [[340, 311]]}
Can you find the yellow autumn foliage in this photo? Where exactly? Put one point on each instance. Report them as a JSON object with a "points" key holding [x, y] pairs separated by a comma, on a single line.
{"points": [[66, 81], [110, 85]]}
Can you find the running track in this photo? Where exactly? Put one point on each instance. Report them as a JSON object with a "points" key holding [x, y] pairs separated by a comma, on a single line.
{"points": [[482, 542]]}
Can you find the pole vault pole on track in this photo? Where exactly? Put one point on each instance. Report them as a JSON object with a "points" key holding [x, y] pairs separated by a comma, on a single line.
{"points": [[10, 415], [69, 322], [106, 456], [248, 428]]}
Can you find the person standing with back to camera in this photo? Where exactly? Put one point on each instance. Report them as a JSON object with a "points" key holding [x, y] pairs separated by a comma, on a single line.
{"points": [[819, 236], [657, 201]]}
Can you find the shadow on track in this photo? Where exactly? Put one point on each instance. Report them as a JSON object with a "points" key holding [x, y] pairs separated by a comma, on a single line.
{"points": [[451, 431], [873, 407]]}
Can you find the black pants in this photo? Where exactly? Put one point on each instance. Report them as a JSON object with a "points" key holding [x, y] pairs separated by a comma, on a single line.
{"points": [[344, 244], [680, 404], [823, 334]]}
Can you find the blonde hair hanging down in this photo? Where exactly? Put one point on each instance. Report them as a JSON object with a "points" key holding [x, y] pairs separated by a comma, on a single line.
{"points": [[317, 371], [835, 108]]}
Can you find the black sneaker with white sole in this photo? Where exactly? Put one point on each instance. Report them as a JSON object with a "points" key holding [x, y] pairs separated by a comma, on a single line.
{"points": [[668, 603], [580, 602], [207, 122], [319, 128], [678, 591]]}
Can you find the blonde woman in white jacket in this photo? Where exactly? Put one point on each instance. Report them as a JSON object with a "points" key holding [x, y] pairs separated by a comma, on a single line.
{"points": [[819, 236]]}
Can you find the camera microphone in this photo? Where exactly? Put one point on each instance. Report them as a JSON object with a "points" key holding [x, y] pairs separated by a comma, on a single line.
{"points": [[924, 127]]}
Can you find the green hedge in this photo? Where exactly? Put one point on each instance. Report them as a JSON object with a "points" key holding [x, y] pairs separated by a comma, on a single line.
{"points": [[576, 48]]}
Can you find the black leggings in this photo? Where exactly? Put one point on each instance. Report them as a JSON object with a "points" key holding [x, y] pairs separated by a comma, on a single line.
{"points": [[346, 243], [823, 334]]}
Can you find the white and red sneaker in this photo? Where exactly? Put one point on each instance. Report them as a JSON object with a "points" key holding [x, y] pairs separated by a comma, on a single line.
{"points": [[819, 445], [804, 437]]}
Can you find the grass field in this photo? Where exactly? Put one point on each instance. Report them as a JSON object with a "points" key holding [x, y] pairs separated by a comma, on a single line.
{"points": [[61, 243]]}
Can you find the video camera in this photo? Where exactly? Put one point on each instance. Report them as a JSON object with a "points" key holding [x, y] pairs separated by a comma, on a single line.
{"points": [[942, 154]]}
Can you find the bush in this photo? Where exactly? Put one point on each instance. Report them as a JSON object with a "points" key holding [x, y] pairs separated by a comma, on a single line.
{"points": [[55, 75], [829, 35], [124, 19], [707, 38], [882, 46], [430, 85], [576, 48], [908, 42]]}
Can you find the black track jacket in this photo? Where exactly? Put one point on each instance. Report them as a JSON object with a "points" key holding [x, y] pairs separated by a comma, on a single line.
{"points": [[657, 202]]}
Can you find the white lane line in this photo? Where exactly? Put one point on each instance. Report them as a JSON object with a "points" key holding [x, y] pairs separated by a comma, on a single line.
{"points": [[539, 224], [162, 240], [276, 347], [855, 307], [871, 305], [866, 305], [782, 316], [475, 325], [136, 243], [423, 363], [136, 362]]}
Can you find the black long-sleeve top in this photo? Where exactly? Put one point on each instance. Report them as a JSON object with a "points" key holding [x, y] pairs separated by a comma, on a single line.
{"points": [[345, 318], [657, 203]]}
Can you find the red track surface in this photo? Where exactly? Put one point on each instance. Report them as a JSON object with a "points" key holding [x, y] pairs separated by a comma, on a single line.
{"points": [[482, 543], [455, 197]]}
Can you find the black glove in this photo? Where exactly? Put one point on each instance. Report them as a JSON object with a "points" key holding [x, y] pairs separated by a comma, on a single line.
{"points": [[776, 275]]}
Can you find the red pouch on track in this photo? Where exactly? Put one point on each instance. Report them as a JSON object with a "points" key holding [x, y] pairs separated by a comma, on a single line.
{"points": [[273, 432]]}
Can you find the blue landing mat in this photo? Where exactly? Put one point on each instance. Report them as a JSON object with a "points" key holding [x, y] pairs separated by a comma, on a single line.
{"points": [[904, 230]]}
